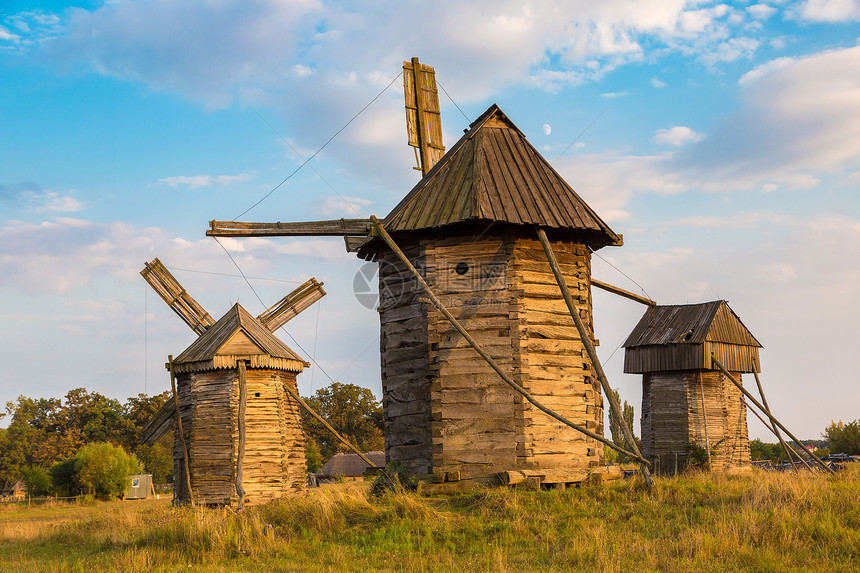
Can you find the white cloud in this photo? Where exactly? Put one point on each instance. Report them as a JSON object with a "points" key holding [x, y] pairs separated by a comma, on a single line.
{"points": [[676, 136], [8, 36], [761, 11], [615, 95], [344, 206], [657, 83], [799, 119], [216, 52], [61, 204], [830, 10], [197, 181]]}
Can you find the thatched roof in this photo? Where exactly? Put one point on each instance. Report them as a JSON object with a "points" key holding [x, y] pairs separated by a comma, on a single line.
{"points": [[350, 465], [238, 336], [690, 324], [494, 174]]}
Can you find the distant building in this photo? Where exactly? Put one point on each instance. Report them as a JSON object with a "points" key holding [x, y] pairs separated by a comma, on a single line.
{"points": [[685, 398], [17, 490], [349, 466], [139, 486]]}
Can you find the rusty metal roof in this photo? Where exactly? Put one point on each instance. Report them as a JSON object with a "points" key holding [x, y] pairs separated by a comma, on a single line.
{"points": [[690, 324], [207, 347], [494, 174]]}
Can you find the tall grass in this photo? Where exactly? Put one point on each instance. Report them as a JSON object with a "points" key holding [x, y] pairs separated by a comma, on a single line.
{"points": [[754, 521]]}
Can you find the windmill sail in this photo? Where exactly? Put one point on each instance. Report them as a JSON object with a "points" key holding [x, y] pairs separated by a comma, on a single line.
{"points": [[291, 305], [423, 118], [169, 289]]}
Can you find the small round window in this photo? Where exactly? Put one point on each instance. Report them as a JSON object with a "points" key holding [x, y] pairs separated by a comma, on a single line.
{"points": [[462, 268]]}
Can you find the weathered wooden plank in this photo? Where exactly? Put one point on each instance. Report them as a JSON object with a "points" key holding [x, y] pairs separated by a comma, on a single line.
{"points": [[329, 228]]}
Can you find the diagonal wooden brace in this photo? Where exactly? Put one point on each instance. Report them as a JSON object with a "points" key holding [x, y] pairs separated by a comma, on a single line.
{"points": [[774, 421], [592, 352]]}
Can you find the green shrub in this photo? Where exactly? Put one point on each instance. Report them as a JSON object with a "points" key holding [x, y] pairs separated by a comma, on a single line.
{"points": [[103, 469], [37, 480], [100, 469]]}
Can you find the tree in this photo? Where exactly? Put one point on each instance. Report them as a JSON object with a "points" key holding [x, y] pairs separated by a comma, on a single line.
{"points": [[615, 427], [37, 480], [844, 438], [64, 477], [103, 469], [352, 410], [762, 451], [157, 459]]}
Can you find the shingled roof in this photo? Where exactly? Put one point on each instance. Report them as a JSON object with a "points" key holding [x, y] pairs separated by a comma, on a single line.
{"points": [[690, 324], [238, 336], [494, 174]]}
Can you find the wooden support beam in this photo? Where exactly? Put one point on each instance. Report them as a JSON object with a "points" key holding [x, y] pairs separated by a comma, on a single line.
{"points": [[240, 454], [181, 433], [776, 423], [775, 430], [328, 427], [621, 292], [381, 232], [330, 228], [585, 336]]}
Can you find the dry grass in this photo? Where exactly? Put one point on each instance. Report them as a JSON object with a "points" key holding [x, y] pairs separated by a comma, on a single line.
{"points": [[753, 522]]}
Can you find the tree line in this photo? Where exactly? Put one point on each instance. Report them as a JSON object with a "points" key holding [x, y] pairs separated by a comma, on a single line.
{"points": [[51, 442], [45, 433]]}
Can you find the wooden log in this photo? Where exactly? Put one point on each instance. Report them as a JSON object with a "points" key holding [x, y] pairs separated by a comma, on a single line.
{"points": [[773, 420], [181, 433], [240, 455], [621, 292], [322, 421], [507, 379], [592, 354], [329, 228], [774, 430]]}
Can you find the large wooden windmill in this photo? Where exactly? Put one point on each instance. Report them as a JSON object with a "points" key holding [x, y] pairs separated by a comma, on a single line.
{"points": [[239, 436], [500, 245]]}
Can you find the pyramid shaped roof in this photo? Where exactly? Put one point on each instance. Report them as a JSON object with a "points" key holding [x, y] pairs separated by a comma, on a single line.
{"points": [[238, 336], [494, 174], [690, 324]]}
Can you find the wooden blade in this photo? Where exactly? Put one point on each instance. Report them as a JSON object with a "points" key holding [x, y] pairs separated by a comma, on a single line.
{"points": [[332, 228], [291, 305], [423, 118], [161, 422], [171, 292]]}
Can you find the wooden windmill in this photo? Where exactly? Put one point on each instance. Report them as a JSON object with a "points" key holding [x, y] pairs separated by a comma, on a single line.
{"points": [[239, 429], [485, 305], [686, 398]]}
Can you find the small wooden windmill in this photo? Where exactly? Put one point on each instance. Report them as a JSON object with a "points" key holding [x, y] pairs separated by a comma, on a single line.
{"points": [[239, 429], [686, 398]]}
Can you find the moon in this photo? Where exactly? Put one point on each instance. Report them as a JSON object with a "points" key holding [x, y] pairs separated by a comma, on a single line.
{"points": [[547, 129]]}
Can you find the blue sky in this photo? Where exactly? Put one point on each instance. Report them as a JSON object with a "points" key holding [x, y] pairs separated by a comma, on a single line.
{"points": [[722, 140]]}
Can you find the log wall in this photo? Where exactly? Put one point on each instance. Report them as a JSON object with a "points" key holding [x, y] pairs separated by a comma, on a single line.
{"points": [[555, 367], [405, 355], [274, 461], [445, 408], [675, 415]]}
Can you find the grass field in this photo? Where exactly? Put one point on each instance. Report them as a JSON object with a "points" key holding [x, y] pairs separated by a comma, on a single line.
{"points": [[750, 522]]}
